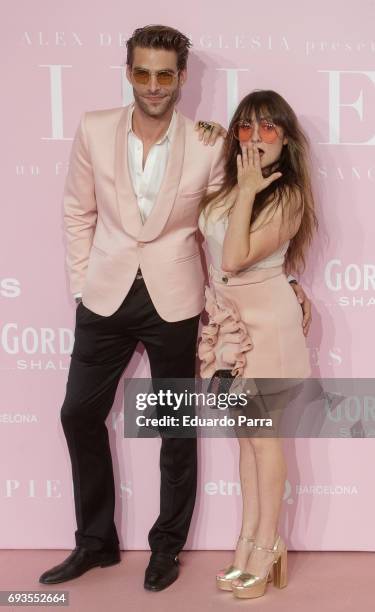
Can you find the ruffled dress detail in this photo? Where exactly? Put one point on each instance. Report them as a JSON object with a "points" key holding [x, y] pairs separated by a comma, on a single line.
{"points": [[225, 339]]}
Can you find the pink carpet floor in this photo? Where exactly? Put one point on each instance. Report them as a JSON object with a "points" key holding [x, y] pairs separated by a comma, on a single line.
{"points": [[318, 582]]}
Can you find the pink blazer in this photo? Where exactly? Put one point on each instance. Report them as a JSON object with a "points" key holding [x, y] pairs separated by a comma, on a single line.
{"points": [[106, 240]]}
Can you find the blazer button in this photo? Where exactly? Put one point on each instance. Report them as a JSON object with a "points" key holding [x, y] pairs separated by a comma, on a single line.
{"points": [[224, 279]]}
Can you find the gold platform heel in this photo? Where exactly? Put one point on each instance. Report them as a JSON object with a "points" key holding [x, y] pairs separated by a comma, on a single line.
{"points": [[253, 586], [225, 577]]}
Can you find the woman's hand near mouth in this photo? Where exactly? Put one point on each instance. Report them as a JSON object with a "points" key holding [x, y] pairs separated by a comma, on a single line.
{"points": [[249, 171]]}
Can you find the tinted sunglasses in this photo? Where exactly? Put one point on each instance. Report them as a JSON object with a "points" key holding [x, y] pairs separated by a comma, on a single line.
{"points": [[163, 77], [243, 130]]}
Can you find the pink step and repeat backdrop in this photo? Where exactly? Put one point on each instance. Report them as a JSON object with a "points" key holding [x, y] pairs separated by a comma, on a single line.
{"points": [[62, 58]]}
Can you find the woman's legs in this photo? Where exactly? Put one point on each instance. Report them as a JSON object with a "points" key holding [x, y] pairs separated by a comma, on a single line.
{"points": [[250, 504], [271, 473]]}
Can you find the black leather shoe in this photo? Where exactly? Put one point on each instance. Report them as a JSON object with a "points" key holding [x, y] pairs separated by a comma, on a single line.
{"points": [[79, 561], [161, 571]]}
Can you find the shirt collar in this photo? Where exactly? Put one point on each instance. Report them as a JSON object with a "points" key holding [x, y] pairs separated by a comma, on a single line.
{"points": [[168, 134]]}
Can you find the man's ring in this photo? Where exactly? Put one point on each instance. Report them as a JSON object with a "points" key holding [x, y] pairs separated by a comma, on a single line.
{"points": [[206, 125]]}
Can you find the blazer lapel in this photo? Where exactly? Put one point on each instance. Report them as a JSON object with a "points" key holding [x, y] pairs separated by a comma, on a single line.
{"points": [[164, 202], [126, 198]]}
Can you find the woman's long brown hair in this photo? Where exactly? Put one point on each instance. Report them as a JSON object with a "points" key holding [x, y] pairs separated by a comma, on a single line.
{"points": [[292, 190]]}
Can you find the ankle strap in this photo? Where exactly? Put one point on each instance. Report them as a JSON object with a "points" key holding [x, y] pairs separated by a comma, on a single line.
{"points": [[244, 539], [267, 548]]}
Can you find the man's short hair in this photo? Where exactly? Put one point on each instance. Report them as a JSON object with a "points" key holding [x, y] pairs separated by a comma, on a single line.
{"points": [[159, 37]]}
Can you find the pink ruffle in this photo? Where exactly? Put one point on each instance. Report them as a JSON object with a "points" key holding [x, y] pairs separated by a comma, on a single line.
{"points": [[225, 339]]}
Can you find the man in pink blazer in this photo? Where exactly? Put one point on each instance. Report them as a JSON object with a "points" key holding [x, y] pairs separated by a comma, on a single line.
{"points": [[136, 177]]}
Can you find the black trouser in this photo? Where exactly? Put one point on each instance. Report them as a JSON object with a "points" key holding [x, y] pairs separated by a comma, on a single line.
{"points": [[102, 349]]}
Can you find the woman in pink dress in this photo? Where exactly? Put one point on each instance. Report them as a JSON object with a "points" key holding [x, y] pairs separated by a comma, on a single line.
{"points": [[257, 226]]}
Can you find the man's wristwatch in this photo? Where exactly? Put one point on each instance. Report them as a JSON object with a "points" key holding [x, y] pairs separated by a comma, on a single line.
{"points": [[293, 281]]}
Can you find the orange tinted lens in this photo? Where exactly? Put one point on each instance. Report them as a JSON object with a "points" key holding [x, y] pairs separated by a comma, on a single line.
{"points": [[268, 132], [243, 132], [141, 76], [165, 78]]}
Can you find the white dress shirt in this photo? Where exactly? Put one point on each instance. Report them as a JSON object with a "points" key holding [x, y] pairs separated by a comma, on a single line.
{"points": [[147, 181]]}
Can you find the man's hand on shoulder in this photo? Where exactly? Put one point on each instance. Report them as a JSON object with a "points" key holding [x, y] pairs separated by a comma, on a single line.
{"points": [[209, 131]]}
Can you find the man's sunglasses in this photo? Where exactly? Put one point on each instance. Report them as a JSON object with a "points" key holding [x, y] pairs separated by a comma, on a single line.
{"points": [[243, 131], [163, 77]]}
